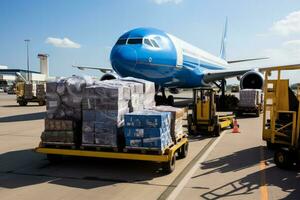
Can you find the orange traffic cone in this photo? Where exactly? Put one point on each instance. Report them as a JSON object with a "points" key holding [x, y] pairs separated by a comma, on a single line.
{"points": [[235, 127]]}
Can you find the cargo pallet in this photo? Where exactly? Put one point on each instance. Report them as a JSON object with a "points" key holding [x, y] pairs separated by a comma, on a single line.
{"points": [[167, 157], [281, 120]]}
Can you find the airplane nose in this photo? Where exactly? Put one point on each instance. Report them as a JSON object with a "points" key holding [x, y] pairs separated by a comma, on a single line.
{"points": [[124, 56]]}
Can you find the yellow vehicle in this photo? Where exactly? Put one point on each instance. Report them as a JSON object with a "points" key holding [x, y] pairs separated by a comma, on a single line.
{"points": [[204, 118], [25, 93], [281, 119], [167, 157]]}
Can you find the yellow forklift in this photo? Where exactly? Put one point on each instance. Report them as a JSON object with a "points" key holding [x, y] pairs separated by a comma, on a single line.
{"points": [[204, 118], [281, 119]]}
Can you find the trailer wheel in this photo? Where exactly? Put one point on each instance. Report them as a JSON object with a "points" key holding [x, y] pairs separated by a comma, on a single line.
{"points": [[283, 159], [52, 158], [169, 167], [23, 102], [183, 151], [42, 103], [257, 113]]}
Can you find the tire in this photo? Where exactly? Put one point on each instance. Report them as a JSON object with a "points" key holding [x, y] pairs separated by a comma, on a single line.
{"points": [[257, 113], [190, 123], [170, 100], [169, 167], [184, 149], [283, 159], [52, 158], [217, 130], [42, 103], [270, 145]]}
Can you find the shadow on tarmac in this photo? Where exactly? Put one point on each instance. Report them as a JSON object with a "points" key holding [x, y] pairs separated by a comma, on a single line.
{"points": [[286, 180], [25, 168], [23, 117]]}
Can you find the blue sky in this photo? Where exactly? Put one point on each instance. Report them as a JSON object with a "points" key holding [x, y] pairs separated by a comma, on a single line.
{"points": [[90, 29]]}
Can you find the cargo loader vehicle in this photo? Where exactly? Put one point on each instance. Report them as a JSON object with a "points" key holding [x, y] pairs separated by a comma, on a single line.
{"points": [[27, 92], [281, 117], [204, 118]]}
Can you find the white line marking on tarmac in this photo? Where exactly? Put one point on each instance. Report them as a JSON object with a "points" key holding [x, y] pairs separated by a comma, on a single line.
{"points": [[189, 175]]}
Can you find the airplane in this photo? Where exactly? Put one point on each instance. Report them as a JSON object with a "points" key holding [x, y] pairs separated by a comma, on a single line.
{"points": [[154, 55]]}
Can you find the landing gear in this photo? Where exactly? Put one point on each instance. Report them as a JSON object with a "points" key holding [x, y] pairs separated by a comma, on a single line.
{"points": [[163, 99]]}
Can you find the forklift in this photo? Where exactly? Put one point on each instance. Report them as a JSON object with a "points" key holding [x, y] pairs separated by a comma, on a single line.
{"points": [[204, 118], [281, 120]]}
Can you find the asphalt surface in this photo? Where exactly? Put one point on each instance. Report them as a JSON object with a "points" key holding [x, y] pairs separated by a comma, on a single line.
{"points": [[238, 167]]}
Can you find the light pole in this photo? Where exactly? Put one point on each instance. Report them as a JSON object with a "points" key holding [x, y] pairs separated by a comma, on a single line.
{"points": [[27, 44]]}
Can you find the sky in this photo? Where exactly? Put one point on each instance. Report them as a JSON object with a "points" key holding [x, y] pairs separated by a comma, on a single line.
{"points": [[82, 32]]}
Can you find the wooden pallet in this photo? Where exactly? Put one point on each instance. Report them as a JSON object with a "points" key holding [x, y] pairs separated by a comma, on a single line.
{"points": [[59, 145], [95, 147], [146, 150]]}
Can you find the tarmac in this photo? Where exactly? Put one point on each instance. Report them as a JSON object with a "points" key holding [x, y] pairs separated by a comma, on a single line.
{"points": [[232, 166]]}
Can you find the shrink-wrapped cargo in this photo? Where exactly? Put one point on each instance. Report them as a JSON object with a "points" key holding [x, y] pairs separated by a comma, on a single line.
{"points": [[148, 129], [177, 115], [250, 97], [63, 121], [40, 91], [104, 106], [148, 91]]}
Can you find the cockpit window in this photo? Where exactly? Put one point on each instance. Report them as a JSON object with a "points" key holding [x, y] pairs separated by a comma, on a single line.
{"points": [[147, 42], [121, 41], [135, 41], [154, 44]]}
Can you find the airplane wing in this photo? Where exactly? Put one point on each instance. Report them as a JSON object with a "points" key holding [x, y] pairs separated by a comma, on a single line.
{"points": [[103, 70], [246, 60], [216, 75]]}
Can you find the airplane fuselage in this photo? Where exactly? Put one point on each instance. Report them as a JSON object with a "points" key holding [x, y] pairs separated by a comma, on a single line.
{"points": [[157, 56]]}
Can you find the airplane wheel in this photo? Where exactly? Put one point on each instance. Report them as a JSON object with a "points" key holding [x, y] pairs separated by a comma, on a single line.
{"points": [[170, 100]]}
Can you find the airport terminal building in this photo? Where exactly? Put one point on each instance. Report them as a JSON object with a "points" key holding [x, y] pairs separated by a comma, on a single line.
{"points": [[9, 76]]}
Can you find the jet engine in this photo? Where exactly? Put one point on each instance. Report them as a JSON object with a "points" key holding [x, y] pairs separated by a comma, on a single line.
{"points": [[252, 80], [109, 76]]}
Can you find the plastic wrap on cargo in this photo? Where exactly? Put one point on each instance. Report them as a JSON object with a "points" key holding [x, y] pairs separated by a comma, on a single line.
{"points": [[28, 90], [115, 117], [148, 129], [58, 125], [40, 91], [176, 119], [88, 138], [88, 126], [148, 119], [64, 97], [104, 139], [135, 87], [250, 97], [133, 142], [149, 91]]}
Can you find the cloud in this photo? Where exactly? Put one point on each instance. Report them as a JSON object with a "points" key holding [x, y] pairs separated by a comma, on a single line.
{"points": [[287, 53], [289, 25], [159, 2], [62, 43]]}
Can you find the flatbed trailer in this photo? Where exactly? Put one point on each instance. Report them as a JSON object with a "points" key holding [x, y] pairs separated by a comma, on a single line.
{"points": [[167, 157]]}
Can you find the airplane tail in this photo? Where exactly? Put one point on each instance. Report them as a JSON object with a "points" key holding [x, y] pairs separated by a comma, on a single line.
{"points": [[223, 42]]}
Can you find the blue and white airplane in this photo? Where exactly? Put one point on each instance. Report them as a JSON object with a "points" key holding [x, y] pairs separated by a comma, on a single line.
{"points": [[170, 62]]}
